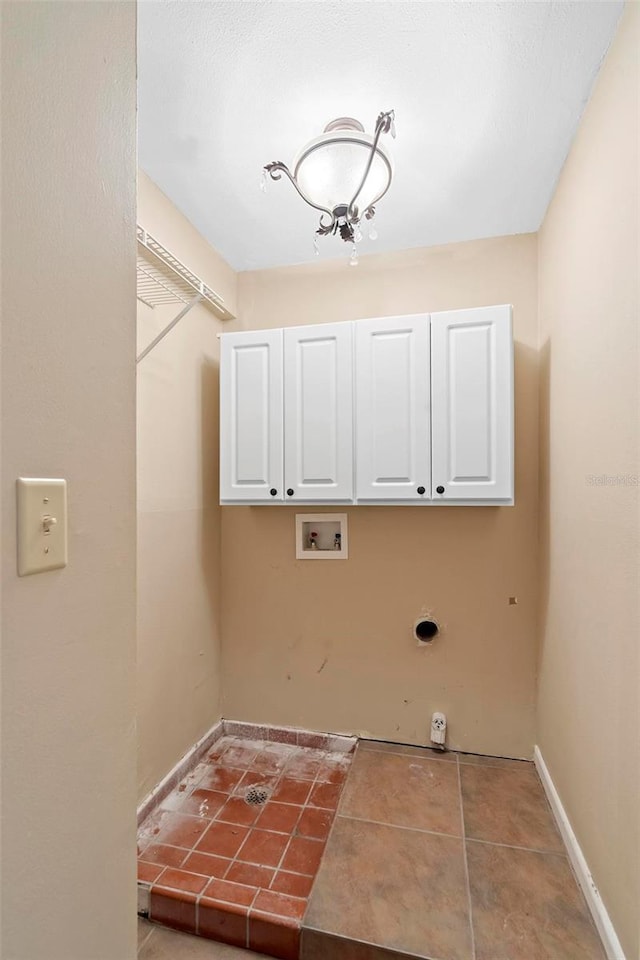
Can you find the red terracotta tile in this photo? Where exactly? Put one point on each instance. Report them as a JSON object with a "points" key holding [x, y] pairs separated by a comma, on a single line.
{"points": [[226, 892], [325, 795], [190, 781], [149, 872], [237, 810], [149, 829], [279, 904], [290, 790], [315, 741], [200, 803], [167, 856], [281, 817], [315, 823], [206, 865], [302, 766], [333, 772], [266, 763], [240, 756], [264, 848], [254, 778], [303, 856], [179, 830], [293, 884], [217, 750], [283, 735], [224, 922], [173, 908], [275, 936], [222, 839], [236, 730], [250, 874], [221, 779], [182, 880]]}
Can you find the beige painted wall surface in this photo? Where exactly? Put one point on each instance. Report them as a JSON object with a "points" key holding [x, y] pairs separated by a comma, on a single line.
{"points": [[68, 397], [588, 723], [178, 512], [329, 645]]}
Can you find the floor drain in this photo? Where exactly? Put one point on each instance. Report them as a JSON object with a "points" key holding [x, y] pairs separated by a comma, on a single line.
{"points": [[256, 795]]}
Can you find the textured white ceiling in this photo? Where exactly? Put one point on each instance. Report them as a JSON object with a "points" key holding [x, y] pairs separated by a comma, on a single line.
{"points": [[487, 96]]}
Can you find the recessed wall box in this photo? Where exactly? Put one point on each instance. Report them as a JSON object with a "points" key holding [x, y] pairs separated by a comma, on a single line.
{"points": [[321, 536]]}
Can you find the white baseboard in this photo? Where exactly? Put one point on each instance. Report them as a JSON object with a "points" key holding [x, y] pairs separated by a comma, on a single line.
{"points": [[598, 910]]}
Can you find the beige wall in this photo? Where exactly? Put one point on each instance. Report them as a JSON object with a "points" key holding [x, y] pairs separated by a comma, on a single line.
{"points": [[329, 645], [68, 396], [588, 723], [178, 512]]}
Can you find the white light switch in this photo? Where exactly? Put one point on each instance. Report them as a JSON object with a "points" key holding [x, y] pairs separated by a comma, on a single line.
{"points": [[42, 525]]}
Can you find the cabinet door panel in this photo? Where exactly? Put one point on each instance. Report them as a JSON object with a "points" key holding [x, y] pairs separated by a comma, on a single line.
{"points": [[318, 428], [472, 404], [251, 416], [392, 408]]}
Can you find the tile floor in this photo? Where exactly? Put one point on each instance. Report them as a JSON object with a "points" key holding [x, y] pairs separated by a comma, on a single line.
{"points": [[438, 856], [448, 857], [216, 864]]}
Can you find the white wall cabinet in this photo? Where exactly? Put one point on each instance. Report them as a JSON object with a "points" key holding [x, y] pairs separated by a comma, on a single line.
{"points": [[472, 404], [393, 448], [251, 431], [394, 410], [318, 412]]}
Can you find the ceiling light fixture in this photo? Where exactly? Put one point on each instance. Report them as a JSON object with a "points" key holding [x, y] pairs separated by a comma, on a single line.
{"points": [[343, 173]]}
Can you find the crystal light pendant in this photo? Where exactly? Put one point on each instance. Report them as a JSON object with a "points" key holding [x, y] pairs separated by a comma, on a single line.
{"points": [[342, 173]]}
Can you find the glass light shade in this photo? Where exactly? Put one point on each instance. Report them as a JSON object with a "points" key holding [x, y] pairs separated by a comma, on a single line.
{"points": [[330, 168]]}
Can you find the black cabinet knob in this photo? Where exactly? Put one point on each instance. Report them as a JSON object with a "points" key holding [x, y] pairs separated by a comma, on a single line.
{"points": [[420, 490], [290, 492], [439, 489], [273, 492]]}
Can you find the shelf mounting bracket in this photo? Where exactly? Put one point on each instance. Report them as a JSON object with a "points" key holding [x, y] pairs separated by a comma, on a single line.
{"points": [[156, 340]]}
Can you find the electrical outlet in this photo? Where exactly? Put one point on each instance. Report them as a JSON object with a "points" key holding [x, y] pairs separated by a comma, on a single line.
{"points": [[438, 728]]}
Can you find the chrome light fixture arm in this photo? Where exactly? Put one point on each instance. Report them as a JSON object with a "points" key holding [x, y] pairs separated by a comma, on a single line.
{"points": [[276, 168], [384, 124]]}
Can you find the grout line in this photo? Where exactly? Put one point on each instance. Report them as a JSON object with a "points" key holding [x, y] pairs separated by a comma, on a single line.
{"points": [[192, 848], [278, 777], [513, 846], [249, 909], [416, 756], [304, 807], [502, 763], [336, 817], [451, 836], [235, 858], [466, 867], [251, 863], [401, 826]]}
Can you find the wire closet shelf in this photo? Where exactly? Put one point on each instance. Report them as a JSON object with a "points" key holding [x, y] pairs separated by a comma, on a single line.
{"points": [[163, 279]]}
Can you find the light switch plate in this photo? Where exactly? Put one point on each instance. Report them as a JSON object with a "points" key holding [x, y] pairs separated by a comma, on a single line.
{"points": [[42, 525]]}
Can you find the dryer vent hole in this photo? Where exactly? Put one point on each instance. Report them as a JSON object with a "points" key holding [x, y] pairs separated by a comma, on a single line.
{"points": [[426, 630], [255, 796]]}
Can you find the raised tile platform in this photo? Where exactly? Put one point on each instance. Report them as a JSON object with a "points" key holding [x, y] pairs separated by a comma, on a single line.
{"points": [[231, 852]]}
